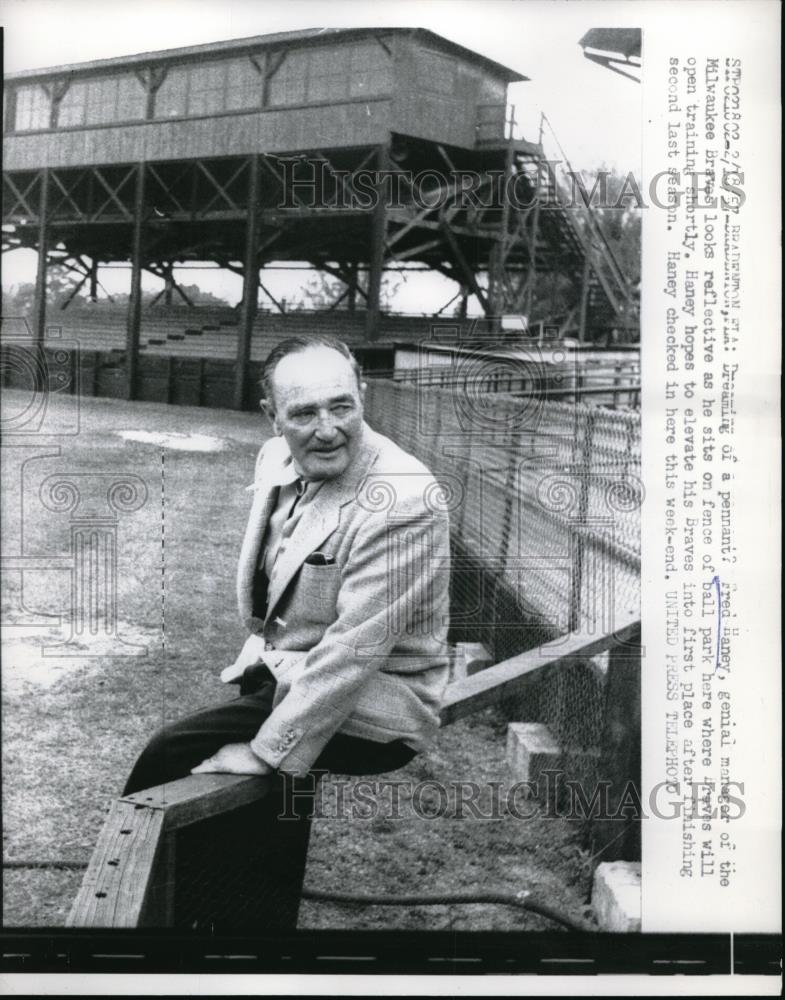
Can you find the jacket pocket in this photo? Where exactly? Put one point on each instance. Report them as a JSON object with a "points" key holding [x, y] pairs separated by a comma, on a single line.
{"points": [[316, 593]]}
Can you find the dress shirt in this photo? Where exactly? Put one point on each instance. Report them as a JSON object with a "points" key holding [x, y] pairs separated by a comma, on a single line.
{"points": [[294, 495]]}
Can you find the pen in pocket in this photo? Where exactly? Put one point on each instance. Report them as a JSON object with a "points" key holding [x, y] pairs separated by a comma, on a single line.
{"points": [[320, 559]]}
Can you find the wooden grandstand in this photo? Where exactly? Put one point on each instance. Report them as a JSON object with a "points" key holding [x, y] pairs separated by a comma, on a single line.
{"points": [[345, 150]]}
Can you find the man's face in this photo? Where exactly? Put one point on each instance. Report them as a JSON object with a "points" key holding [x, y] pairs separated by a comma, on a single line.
{"points": [[318, 407]]}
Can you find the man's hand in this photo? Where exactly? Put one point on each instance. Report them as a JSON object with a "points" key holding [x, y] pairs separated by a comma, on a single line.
{"points": [[234, 758], [250, 654]]}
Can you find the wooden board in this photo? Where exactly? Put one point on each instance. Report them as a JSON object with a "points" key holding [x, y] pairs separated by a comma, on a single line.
{"points": [[130, 879], [511, 677], [116, 884], [200, 796]]}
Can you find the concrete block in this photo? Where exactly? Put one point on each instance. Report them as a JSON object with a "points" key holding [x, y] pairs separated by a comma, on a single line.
{"points": [[599, 665], [616, 896], [475, 656], [531, 749], [466, 658]]}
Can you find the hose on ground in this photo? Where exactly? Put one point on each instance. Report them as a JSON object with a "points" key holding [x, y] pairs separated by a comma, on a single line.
{"points": [[521, 900], [55, 864]]}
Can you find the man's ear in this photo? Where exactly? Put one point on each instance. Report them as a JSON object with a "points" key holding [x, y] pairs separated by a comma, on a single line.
{"points": [[363, 387], [269, 411]]}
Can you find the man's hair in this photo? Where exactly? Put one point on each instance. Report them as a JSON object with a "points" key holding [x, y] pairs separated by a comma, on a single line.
{"points": [[295, 345]]}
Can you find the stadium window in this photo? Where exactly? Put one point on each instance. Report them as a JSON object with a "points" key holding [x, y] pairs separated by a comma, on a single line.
{"points": [[171, 98], [332, 73], [73, 106], [228, 85], [370, 72], [114, 99], [243, 85], [33, 108], [206, 86], [131, 98], [328, 74], [288, 84]]}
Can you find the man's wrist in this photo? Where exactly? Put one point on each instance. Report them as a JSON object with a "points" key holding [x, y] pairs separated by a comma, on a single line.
{"points": [[259, 756]]}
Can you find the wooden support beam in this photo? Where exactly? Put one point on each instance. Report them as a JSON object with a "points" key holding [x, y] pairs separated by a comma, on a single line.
{"points": [[512, 676], [533, 238], [250, 285], [128, 882], [339, 273], [351, 302], [336, 302], [464, 301], [74, 291], [496, 292], [464, 267], [93, 281], [135, 299], [182, 293], [620, 760], [378, 236], [584, 301], [116, 888], [272, 298], [39, 308], [168, 286], [447, 304]]}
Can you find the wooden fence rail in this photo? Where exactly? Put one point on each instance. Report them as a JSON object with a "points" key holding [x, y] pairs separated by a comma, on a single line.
{"points": [[131, 878]]}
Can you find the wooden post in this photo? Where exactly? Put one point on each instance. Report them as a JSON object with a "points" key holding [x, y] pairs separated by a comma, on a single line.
{"points": [[464, 293], [620, 760], [250, 286], [94, 281], [378, 233], [168, 286], [535, 233], [584, 301], [351, 298], [135, 300], [200, 385], [498, 260], [130, 879], [39, 308]]}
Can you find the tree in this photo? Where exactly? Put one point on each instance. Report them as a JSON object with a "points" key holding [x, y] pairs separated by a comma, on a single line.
{"points": [[60, 284], [323, 290]]}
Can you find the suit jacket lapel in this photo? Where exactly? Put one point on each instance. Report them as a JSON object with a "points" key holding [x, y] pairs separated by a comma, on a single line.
{"points": [[265, 498], [320, 519]]}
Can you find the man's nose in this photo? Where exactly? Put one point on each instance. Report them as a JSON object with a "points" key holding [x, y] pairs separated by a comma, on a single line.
{"points": [[327, 428]]}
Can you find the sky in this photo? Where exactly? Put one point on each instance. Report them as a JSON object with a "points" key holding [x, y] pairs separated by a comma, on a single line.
{"points": [[595, 113]]}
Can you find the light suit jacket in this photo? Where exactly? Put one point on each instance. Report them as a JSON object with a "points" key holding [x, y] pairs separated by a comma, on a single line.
{"points": [[358, 645]]}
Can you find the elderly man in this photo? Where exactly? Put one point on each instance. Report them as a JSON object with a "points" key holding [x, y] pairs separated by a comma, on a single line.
{"points": [[342, 584]]}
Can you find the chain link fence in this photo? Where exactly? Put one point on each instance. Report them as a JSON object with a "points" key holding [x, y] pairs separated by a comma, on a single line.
{"points": [[544, 501]]}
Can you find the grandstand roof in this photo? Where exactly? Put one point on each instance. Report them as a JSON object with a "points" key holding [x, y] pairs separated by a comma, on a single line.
{"points": [[308, 35]]}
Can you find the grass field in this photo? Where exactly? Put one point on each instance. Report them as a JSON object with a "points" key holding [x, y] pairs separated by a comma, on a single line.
{"points": [[72, 725]]}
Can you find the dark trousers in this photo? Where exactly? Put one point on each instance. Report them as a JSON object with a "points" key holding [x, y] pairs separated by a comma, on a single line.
{"points": [[243, 871]]}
